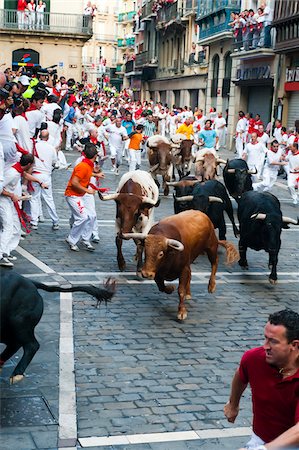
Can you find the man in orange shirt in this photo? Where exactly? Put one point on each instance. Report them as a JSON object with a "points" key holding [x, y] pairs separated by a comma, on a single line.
{"points": [[82, 224], [134, 148]]}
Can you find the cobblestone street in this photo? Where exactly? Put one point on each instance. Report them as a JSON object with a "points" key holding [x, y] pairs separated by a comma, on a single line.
{"points": [[137, 370]]}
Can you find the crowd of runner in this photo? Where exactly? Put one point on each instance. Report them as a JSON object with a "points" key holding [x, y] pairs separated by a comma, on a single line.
{"points": [[42, 117]]}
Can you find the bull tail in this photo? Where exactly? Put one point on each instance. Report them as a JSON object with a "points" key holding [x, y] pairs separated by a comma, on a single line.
{"points": [[232, 254], [101, 294]]}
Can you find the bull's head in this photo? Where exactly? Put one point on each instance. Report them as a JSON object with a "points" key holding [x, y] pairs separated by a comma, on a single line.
{"points": [[157, 247], [238, 180], [131, 210]]}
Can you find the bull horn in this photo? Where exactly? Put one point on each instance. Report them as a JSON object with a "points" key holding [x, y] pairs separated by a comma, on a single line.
{"points": [[152, 169], [185, 198], [140, 236], [231, 170], [177, 245], [221, 161], [148, 200], [109, 196], [173, 145], [173, 183], [252, 172], [290, 220], [200, 158], [259, 216], [215, 199]]}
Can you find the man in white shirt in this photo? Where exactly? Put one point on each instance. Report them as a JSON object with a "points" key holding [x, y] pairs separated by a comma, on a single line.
{"points": [[277, 133], [254, 154], [220, 128], [48, 108], [268, 18], [162, 121], [1, 168], [34, 115], [240, 134], [262, 136], [117, 134], [293, 177], [272, 164], [21, 130], [44, 163]]}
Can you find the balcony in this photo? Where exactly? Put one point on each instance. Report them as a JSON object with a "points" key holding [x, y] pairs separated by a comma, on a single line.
{"points": [[169, 14], [147, 11], [54, 23], [120, 69], [105, 38], [126, 42], [190, 8], [253, 45], [286, 23], [129, 66], [207, 7], [213, 23], [126, 17], [146, 59]]}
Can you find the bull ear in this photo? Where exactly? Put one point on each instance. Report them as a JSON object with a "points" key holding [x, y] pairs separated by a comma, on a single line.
{"points": [[177, 245]]}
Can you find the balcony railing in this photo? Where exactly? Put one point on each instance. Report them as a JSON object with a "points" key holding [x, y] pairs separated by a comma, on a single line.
{"points": [[259, 39], [190, 7], [130, 66], [126, 42], [127, 16], [285, 10], [214, 29], [147, 10], [52, 22], [146, 59], [169, 13], [207, 7], [105, 38]]}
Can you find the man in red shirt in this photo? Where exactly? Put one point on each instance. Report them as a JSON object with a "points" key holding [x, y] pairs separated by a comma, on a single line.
{"points": [[273, 374]]}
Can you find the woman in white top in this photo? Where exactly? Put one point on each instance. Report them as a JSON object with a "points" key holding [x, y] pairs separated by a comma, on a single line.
{"points": [[31, 14]]}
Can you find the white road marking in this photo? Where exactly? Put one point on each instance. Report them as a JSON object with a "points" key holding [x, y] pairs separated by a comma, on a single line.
{"points": [[95, 441], [206, 273], [34, 260], [67, 391]]}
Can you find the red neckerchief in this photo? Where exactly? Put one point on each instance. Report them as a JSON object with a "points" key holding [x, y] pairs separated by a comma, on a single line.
{"points": [[207, 128], [32, 107], [199, 116], [21, 149], [88, 161], [17, 166], [93, 139], [279, 126], [260, 134], [23, 217], [254, 143]]}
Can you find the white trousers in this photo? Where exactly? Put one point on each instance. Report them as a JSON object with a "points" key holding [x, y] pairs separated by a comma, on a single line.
{"points": [[269, 178], [135, 159], [292, 184], [46, 195], [254, 442], [239, 146], [69, 135], [40, 20], [82, 223], [89, 202], [116, 153], [11, 227]]}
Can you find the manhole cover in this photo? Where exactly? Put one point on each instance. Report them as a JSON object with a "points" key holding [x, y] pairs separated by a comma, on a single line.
{"points": [[25, 411]]}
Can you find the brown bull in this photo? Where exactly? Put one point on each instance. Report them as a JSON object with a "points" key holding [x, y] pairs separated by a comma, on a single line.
{"points": [[184, 158], [173, 244], [206, 166]]}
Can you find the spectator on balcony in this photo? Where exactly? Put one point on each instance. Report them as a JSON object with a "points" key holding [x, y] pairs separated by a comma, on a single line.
{"points": [[260, 27], [40, 12], [22, 4], [237, 25], [88, 14], [268, 18], [31, 14]]}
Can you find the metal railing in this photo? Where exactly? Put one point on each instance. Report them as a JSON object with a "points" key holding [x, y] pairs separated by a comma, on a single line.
{"points": [[147, 9], [50, 22], [105, 38], [214, 29], [145, 58], [168, 13], [256, 40], [126, 16], [207, 7], [126, 42], [190, 7], [129, 66]]}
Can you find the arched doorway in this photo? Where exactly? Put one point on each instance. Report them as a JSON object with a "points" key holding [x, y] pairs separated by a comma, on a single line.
{"points": [[25, 57]]}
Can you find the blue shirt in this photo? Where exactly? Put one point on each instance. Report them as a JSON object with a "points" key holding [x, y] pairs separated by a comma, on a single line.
{"points": [[209, 137], [129, 125]]}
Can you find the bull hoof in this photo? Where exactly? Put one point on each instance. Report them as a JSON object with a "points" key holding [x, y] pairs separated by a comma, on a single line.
{"points": [[166, 191], [139, 274], [122, 266], [188, 297], [212, 288], [182, 315], [243, 264], [16, 379], [272, 281], [169, 289]]}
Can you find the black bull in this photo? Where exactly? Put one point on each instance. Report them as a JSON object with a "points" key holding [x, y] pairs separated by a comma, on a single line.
{"points": [[261, 222], [21, 308], [237, 177]]}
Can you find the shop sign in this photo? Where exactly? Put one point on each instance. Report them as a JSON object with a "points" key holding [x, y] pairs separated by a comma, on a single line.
{"points": [[292, 74], [254, 73]]}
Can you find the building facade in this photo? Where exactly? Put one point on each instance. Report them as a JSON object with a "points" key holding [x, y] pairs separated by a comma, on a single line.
{"points": [[57, 39], [173, 68], [286, 23]]}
